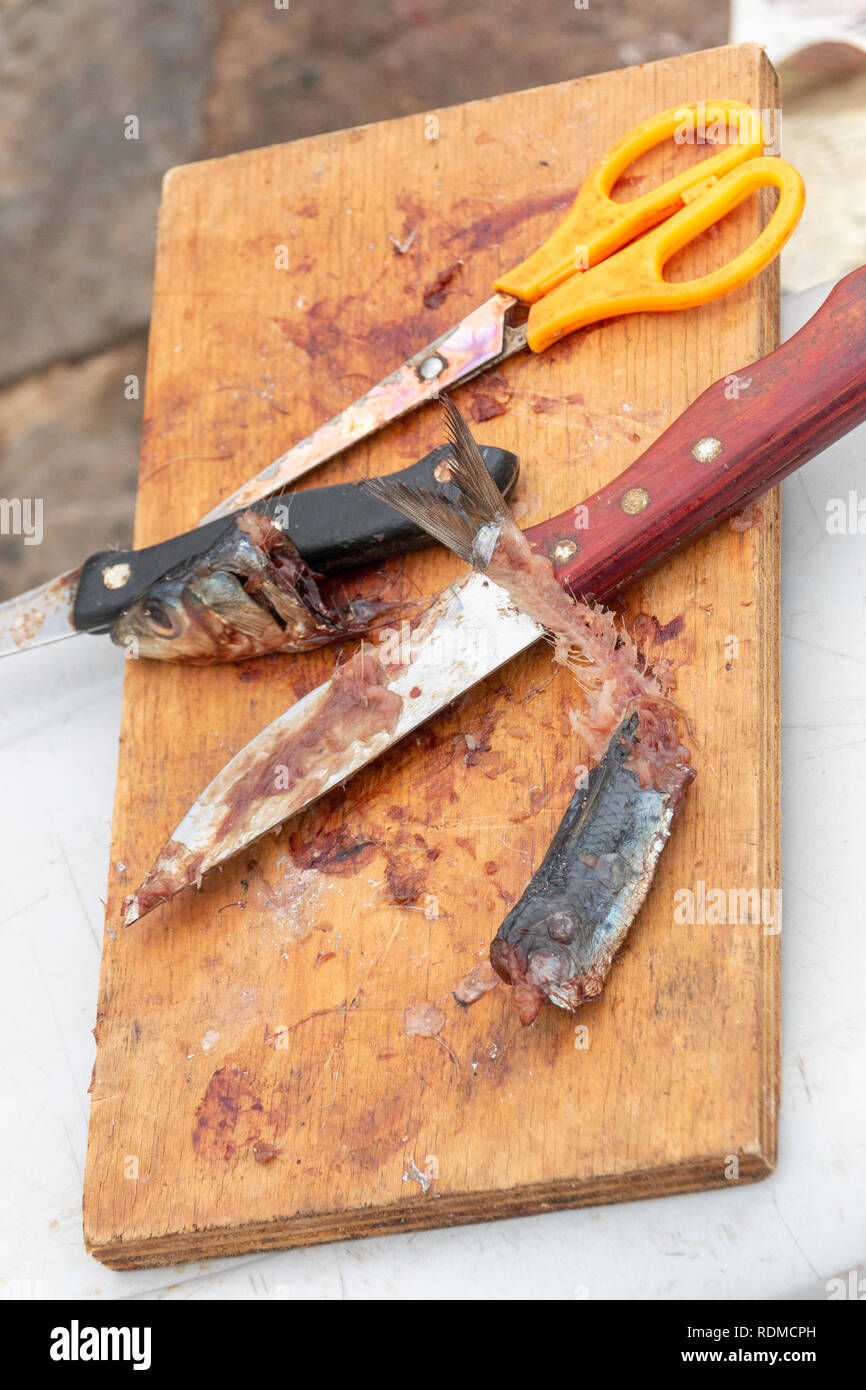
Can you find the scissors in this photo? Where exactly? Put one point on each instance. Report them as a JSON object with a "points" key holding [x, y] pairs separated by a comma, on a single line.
{"points": [[606, 258]]}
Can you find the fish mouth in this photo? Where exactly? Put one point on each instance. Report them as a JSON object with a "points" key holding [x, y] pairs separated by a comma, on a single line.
{"points": [[543, 975]]}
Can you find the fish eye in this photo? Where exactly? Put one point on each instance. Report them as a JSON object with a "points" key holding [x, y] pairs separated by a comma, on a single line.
{"points": [[158, 616]]}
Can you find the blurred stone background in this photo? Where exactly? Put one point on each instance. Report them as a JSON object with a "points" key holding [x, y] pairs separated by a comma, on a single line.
{"points": [[204, 78]]}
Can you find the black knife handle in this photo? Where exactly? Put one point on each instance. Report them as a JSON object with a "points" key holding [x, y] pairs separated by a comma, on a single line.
{"points": [[335, 528]]}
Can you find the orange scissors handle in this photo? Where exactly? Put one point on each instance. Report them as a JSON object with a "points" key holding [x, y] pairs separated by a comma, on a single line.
{"points": [[596, 226], [632, 280]]}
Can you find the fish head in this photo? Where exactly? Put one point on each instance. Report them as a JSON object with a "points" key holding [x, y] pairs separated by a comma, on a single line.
{"points": [[158, 624]]}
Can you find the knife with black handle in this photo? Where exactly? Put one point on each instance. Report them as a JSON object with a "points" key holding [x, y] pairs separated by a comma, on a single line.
{"points": [[334, 529]]}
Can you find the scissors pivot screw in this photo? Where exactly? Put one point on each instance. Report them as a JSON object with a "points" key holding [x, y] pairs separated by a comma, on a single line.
{"points": [[431, 367], [636, 500], [562, 551], [707, 449], [115, 576]]}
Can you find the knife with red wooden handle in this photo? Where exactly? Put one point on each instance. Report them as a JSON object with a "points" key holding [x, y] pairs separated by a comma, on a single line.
{"points": [[725, 450], [732, 444]]}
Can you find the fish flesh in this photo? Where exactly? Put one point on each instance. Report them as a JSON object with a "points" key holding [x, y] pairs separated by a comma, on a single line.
{"points": [[558, 942], [248, 594]]}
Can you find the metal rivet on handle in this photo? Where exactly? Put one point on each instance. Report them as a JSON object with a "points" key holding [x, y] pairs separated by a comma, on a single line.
{"points": [[431, 367], [707, 449], [563, 551], [115, 576], [637, 499]]}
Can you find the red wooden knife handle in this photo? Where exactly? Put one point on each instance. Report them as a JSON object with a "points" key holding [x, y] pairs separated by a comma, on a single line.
{"points": [[736, 441]]}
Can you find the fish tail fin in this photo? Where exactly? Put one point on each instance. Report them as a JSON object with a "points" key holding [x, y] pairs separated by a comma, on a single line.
{"points": [[481, 496], [456, 523], [436, 515]]}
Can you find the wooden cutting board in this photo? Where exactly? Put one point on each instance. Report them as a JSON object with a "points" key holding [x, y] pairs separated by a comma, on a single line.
{"points": [[255, 1085]]}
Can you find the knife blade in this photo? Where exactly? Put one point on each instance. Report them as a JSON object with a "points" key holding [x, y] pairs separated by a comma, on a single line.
{"points": [[472, 629], [723, 452], [334, 529]]}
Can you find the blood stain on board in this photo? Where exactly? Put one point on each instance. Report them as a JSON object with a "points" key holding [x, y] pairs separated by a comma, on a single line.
{"points": [[645, 627], [484, 232], [490, 399], [230, 1116], [405, 881], [334, 851], [436, 291]]}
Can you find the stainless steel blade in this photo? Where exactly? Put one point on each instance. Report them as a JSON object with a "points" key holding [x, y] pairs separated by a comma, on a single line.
{"points": [[472, 630], [40, 616], [482, 338]]}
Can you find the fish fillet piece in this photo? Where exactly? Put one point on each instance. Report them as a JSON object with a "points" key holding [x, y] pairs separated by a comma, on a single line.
{"points": [[558, 942]]}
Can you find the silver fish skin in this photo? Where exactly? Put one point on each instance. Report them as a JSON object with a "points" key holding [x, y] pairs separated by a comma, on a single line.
{"points": [[248, 594], [558, 942]]}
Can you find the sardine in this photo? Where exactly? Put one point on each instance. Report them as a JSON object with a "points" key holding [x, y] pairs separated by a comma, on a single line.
{"points": [[248, 594], [557, 944]]}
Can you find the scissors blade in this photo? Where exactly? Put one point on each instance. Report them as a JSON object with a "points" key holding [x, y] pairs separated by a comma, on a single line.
{"points": [[483, 337], [40, 616], [472, 629]]}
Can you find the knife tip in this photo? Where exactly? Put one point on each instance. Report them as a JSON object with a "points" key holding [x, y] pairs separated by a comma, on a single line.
{"points": [[132, 912]]}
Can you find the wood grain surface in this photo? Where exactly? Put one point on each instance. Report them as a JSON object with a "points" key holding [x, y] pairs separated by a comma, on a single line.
{"points": [[255, 1085]]}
